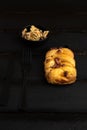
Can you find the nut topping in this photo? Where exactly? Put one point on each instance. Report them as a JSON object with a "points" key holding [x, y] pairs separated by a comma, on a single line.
{"points": [[57, 61], [65, 73]]}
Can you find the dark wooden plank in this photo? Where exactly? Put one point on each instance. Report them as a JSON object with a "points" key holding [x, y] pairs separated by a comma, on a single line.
{"points": [[14, 20], [66, 30]]}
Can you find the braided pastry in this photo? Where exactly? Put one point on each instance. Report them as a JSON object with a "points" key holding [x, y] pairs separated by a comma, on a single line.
{"points": [[59, 66]]}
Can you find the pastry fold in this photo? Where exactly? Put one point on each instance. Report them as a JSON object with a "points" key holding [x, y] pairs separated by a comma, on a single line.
{"points": [[60, 66]]}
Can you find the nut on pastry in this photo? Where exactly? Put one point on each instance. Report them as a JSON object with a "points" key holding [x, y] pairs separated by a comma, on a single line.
{"points": [[60, 66]]}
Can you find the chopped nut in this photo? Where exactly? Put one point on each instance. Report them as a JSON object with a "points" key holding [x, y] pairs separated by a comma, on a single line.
{"points": [[65, 73], [35, 34], [57, 61]]}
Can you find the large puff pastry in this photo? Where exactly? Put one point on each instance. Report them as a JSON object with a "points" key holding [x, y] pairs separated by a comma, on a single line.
{"points": [[60, 66]]}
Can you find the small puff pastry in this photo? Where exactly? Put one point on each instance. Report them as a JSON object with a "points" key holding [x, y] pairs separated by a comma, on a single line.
{"points": [[60, 66]]}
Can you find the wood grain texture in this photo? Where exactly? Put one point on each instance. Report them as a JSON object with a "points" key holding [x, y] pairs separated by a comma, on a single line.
{"points": [[67, 29]]}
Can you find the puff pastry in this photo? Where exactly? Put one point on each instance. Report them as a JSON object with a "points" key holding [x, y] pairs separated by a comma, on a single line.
{"points": [[60, 66]]}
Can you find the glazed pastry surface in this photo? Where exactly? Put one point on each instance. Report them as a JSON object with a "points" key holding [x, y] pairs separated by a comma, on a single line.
{"points": [[60, 66]]}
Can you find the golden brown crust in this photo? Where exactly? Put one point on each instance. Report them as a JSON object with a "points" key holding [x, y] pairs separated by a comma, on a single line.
{"points": [[59, 66]]}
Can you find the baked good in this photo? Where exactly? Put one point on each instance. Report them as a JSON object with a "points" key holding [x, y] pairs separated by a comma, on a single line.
{"points": [[60, 66]]}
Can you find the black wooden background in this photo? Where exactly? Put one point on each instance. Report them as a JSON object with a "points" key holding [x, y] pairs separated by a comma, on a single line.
{"points": [[34, 5], [27, 102]]}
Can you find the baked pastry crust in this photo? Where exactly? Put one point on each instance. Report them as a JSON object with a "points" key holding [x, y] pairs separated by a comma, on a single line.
{"points": [[60, 66]]}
